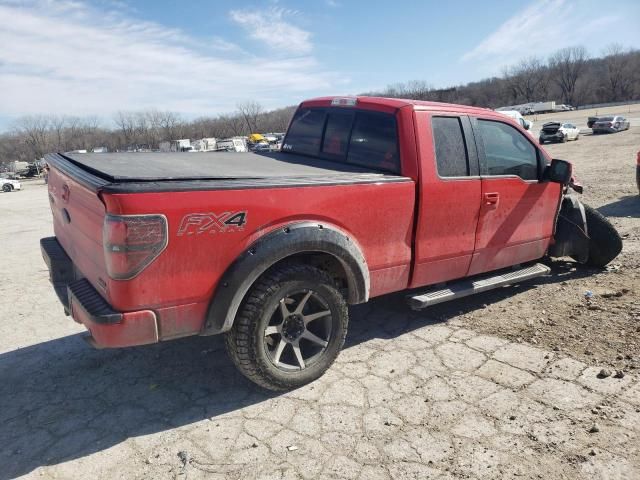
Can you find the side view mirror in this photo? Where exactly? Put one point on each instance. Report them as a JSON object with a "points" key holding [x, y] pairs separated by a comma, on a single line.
{"points": [[559, 171], [527, 125]]}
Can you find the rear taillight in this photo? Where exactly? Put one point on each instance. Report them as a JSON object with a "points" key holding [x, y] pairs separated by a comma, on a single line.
{"points": [[132, 242]]}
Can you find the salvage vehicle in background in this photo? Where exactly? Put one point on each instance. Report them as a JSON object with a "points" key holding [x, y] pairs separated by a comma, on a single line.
{"points": [[591, 121], [9, 185], [368, 196], [611, 124], [517, 116], [558, 132]]}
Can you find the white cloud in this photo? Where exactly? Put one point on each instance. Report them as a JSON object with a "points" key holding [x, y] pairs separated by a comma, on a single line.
{"points": [[68, 57], [540, 29], [271, 28]]}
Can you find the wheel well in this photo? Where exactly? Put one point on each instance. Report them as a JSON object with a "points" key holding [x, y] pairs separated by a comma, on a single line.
{"points": [[322, 261], [309, 243]]}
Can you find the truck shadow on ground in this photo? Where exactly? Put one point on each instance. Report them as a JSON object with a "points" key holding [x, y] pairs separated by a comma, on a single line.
{"points": [[61, 400], [628, 206]]}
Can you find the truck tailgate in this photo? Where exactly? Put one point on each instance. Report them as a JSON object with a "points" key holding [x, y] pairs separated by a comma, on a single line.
{"points": [[78, 216]]}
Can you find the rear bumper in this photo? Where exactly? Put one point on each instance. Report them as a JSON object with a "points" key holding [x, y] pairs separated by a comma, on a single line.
{"points": [[551, 138], [108, 327]]}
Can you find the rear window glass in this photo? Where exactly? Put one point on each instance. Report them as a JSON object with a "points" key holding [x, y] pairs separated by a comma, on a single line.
{"points": [[374, 142], [336, 135], [365, 139], [605, 119], [451, 153], [305, 131]]}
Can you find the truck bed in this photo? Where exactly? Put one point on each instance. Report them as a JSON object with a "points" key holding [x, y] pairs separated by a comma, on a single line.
{"points": [[146, 172]]}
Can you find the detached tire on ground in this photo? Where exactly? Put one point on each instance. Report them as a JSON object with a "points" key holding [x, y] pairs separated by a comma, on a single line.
{"points": [[604, 241], [290, 327]]}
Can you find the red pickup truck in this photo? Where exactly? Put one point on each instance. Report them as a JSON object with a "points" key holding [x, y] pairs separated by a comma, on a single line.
{"points": [[368, 196]]}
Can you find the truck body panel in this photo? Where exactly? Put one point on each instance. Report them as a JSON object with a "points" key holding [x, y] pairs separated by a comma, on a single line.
{"points": [[414, 226]]}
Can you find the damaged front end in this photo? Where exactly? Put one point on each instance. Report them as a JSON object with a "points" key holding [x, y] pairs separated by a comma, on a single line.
{"points": [[571, 237]]}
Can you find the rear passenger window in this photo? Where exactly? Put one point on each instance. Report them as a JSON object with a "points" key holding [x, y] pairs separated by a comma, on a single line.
{"points": [[506, 151], [374, 142], [451, 151]]}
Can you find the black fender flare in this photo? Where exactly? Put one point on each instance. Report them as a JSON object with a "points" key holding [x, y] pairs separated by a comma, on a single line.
{"points": [[297, 238], [571, 237]]}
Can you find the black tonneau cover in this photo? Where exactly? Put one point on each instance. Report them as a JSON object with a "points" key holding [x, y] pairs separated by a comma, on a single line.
{"points": [[177, 172], [156, 166]]}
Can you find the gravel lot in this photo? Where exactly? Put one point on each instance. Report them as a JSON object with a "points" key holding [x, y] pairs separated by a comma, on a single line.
{"points": [[502, 385]]}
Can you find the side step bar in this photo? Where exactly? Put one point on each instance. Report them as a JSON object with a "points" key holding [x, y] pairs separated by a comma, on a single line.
{"points": [[466, 287]]}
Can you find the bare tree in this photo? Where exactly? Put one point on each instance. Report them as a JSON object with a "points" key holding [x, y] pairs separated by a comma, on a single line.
{"points": [[526, 79], [566, 66], [126, 122], [34, 130], [619, 72], [250, 112]]}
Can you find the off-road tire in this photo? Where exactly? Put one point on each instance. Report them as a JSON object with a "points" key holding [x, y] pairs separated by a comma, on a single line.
{"points": [[7, 187], [245, 342], [604, 241]]}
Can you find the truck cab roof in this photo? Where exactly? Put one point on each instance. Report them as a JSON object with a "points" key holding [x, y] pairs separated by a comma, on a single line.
{"points": [[390, 104]]}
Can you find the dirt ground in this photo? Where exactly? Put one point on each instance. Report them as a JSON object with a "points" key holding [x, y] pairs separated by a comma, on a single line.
{"points": [[556, 313], [502, 385]]}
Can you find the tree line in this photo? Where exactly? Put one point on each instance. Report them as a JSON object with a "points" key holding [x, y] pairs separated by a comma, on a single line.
{"points": [[567, 76]]}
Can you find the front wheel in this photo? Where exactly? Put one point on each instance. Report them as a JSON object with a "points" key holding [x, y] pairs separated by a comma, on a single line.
{"points": [[564, 139], [290, 327], [7, 187]]}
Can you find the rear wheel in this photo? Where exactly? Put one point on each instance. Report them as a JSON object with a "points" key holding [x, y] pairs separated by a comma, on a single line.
{"points": [[289, 329], [604, 241]]}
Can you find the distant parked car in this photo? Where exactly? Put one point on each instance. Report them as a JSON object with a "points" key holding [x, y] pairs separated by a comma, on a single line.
{"points": [[591, 121], [558, 132], [611, 124], [9, 185], [517, 116]]}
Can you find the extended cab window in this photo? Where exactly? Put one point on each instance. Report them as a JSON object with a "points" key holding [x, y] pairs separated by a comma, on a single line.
{"points": [[506, 151], [365, 139], [451, 152]]}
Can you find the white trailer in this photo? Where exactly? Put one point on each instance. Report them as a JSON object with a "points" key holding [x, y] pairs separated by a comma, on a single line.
{"points": [[543, 107]]}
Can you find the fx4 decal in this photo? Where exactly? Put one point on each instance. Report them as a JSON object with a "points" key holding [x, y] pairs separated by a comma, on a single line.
{"points": [[198, 223]]}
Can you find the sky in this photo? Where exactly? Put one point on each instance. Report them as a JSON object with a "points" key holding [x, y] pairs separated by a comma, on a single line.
{"points": [[196, 58]]}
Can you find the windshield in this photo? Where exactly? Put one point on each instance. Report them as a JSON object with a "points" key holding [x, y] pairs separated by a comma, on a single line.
{"points": [[363, 138]]}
